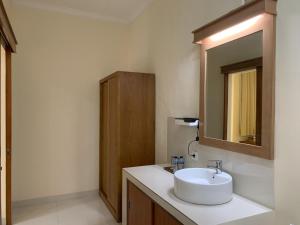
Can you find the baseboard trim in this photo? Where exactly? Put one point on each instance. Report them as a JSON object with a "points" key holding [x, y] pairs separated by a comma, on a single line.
{"points": [[54, 199]]}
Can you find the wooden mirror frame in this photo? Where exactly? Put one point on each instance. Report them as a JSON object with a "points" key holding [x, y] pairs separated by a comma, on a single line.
{"points": [[265, 23]]}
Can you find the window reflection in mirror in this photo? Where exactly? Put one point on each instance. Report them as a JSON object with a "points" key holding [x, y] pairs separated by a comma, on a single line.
{"points": [[234, 91]]}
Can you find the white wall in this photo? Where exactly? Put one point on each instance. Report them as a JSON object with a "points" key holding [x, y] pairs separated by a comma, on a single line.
{"points": [[253, 177], [168, 51], [287, 110], [56, 71], [161, 41]]}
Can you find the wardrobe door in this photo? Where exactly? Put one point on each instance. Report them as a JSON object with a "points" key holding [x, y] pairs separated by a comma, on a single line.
{"points": [[104, 139], [137, 119], [114, 167]]}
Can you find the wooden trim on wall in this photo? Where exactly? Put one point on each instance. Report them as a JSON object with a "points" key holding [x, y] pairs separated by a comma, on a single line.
{"points": [[236, 16], [242, 66], [225, 113], [0, 141], [6, 31], [122, 73], [266, 24]]}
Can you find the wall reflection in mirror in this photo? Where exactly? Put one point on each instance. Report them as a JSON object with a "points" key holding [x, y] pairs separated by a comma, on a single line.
{"points": [[234, 90]]}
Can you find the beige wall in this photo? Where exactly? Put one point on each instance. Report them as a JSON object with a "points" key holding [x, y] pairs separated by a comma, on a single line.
{"points": [[56, 93], [8, 7], [59, 62]]}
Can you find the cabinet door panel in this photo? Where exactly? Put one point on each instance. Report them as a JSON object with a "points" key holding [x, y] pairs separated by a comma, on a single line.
{"points": [[137, 120], [104, 127], [162, 217], [139, 208], [114, 167]]}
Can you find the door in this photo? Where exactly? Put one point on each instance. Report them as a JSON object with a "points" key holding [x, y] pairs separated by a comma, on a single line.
{"points": [[139, 207]]}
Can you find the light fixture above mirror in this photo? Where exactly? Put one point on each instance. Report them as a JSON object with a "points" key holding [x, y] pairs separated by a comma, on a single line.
{"points": [[236, 29]]}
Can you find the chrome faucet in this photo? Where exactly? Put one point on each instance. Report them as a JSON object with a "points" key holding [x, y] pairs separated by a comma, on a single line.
{"points": [[218, 166]]}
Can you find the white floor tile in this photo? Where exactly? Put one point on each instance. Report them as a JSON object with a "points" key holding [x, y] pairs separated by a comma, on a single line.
{"points": [[80, 211]]}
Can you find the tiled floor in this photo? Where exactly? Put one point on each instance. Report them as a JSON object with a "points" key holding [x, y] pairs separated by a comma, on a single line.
{"points": [[81, 211]]}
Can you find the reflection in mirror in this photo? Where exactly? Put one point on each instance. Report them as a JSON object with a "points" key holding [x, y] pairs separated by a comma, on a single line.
{"points": [[234, 91]]}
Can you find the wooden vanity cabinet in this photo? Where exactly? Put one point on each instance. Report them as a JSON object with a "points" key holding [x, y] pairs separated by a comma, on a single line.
{"points": [[162, 217], [127, 131], [141, 209]]}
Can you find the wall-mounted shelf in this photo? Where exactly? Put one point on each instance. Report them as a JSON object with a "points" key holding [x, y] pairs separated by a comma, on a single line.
{"points": [[190, 122]]}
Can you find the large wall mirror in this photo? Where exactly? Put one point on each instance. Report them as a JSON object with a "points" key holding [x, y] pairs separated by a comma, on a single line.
{"points": [[233, 90], [237, 80]]}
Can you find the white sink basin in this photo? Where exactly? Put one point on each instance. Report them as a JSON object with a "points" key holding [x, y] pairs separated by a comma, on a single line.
{"points": [[203, 186]]}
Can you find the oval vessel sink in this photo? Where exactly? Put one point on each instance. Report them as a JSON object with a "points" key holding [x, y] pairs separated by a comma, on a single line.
{"points": [[203, 186]]}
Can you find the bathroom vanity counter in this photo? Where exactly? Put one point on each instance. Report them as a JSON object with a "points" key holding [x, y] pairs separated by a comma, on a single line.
{"points": [[158, 184], [270, 218]]}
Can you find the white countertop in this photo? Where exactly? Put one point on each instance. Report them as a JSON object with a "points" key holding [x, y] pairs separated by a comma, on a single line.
{"points": [[158, 184], [270, 218]]}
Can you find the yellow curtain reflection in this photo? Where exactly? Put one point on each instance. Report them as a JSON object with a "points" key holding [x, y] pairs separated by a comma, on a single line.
{"points": [[241, 105], [248, 103]]}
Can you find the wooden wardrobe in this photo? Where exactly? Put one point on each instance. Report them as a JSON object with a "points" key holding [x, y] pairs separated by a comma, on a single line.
{"points": [[127, 131]]}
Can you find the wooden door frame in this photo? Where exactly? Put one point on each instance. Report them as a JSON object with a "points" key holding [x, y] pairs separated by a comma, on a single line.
{"points": [[0, 140], [239, 67], [9, 42], [8, 139], [8, 133]]}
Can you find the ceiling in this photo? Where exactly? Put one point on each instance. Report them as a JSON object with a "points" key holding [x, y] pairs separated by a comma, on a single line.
{"points": [[114, 10]]}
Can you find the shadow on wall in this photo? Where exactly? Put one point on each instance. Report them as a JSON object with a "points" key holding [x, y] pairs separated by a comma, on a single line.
{"points": [[253, 177]]}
